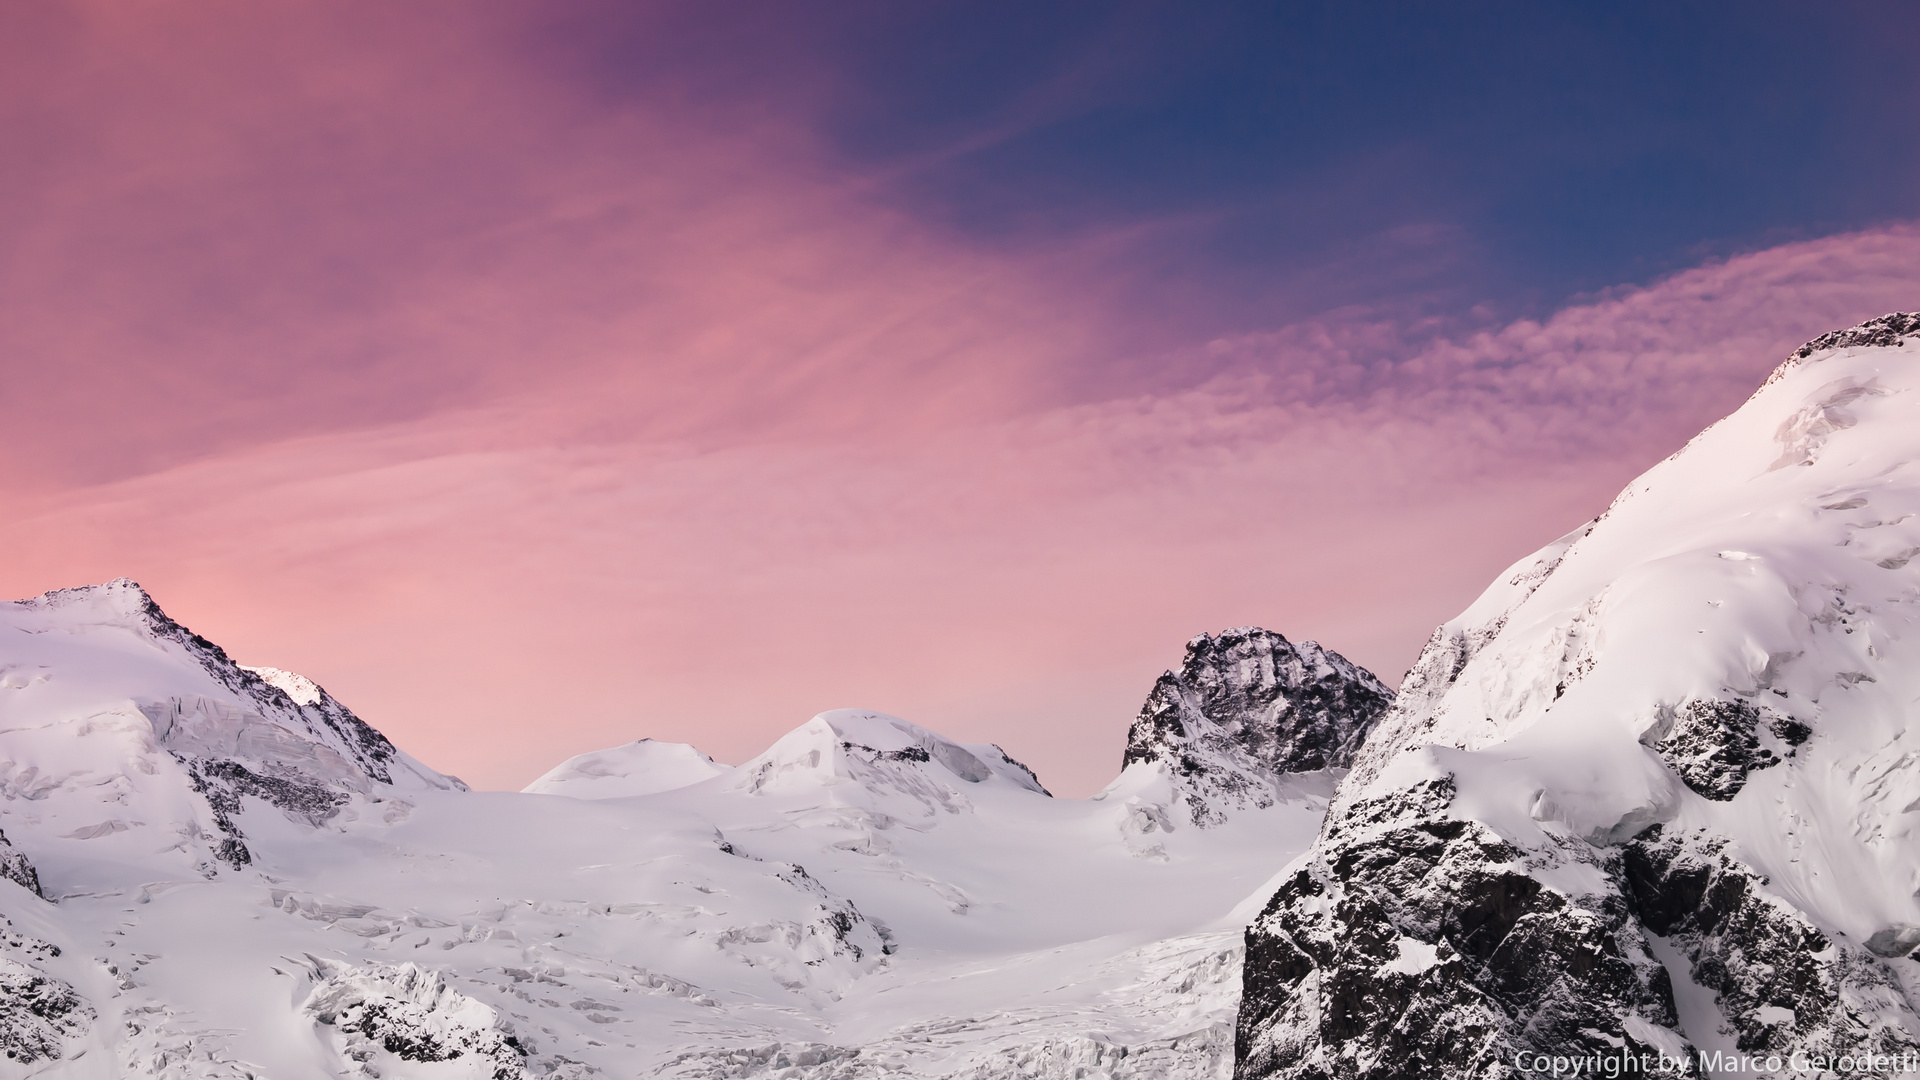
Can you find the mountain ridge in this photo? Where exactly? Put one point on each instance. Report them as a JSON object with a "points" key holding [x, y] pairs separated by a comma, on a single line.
{"points": [[1643, 797], [815, 912]]}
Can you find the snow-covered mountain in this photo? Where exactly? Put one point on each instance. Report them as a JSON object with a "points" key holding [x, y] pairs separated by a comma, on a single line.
{"points": [[643, 767], [1653, 792], [213, 870]]}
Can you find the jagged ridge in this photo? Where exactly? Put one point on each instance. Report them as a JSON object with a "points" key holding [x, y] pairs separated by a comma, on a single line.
{"points": [[1248, 707]]}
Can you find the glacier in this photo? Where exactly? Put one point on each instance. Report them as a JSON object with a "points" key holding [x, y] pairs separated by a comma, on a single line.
{"points": [[218, 870]]}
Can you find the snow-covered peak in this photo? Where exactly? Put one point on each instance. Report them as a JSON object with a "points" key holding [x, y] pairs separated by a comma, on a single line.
{"points": [[1764, 566], [1247, 708], [861, 884], [1656, 785], [116, 641], [114, 715], [644, 767], [121, 601], [882, 754], [302, 690]]}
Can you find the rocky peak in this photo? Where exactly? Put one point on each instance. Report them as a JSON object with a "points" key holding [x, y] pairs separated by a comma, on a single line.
{"points": [[1248, 707]]}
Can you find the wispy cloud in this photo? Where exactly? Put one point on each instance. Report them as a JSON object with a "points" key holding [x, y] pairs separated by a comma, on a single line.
{"points": [[1018, 576], [530, 422]]}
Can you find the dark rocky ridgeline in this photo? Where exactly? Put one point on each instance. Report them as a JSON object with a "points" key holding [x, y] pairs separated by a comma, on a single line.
{"points": [[325, 721], [361, 742], [1890, 329], [1248, 706]]}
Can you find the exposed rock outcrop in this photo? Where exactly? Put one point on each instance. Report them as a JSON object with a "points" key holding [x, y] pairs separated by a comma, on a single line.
{"points": [[15, 867], [39, 1014], [1246, 708], [378, 1012]]}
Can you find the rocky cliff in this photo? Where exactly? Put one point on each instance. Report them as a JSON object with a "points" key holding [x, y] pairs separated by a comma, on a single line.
{"points": [[1247, 708]]}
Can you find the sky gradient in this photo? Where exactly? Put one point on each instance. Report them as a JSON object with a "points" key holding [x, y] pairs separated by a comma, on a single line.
{"points": [[540, 381]]}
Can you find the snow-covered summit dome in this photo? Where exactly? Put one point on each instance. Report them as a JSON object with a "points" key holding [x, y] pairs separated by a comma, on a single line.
{"points": [[642, 767], [882, 753]]}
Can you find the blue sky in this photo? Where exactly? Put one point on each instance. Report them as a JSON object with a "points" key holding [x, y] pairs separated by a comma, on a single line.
{"points": [[1268, 159]]}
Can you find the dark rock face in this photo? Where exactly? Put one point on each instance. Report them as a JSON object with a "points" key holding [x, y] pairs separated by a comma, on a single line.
{"points": [[1290, 708], [1713, 745], [1503, 869], [413, 1015], [1782, 984], [397, 1033], [1247, 706], [15, 867], [223, 783], [38, 1013], [1415, 945]]}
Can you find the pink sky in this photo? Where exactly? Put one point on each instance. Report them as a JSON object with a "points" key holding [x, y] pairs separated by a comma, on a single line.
{"points": [[529, 422]]}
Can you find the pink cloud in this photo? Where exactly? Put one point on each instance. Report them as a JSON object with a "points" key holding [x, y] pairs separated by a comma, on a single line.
{"points": [[529, 424], [1019, 579], [244, 223]]}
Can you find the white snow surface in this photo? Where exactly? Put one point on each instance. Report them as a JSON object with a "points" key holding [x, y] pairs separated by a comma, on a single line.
{"points": [[644, 767], [1774, 560], [302, 690], [864, 899]]}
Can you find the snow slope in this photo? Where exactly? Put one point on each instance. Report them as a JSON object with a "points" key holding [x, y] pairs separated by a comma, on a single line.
{"points": [[240, 878], [1672, 749]]}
